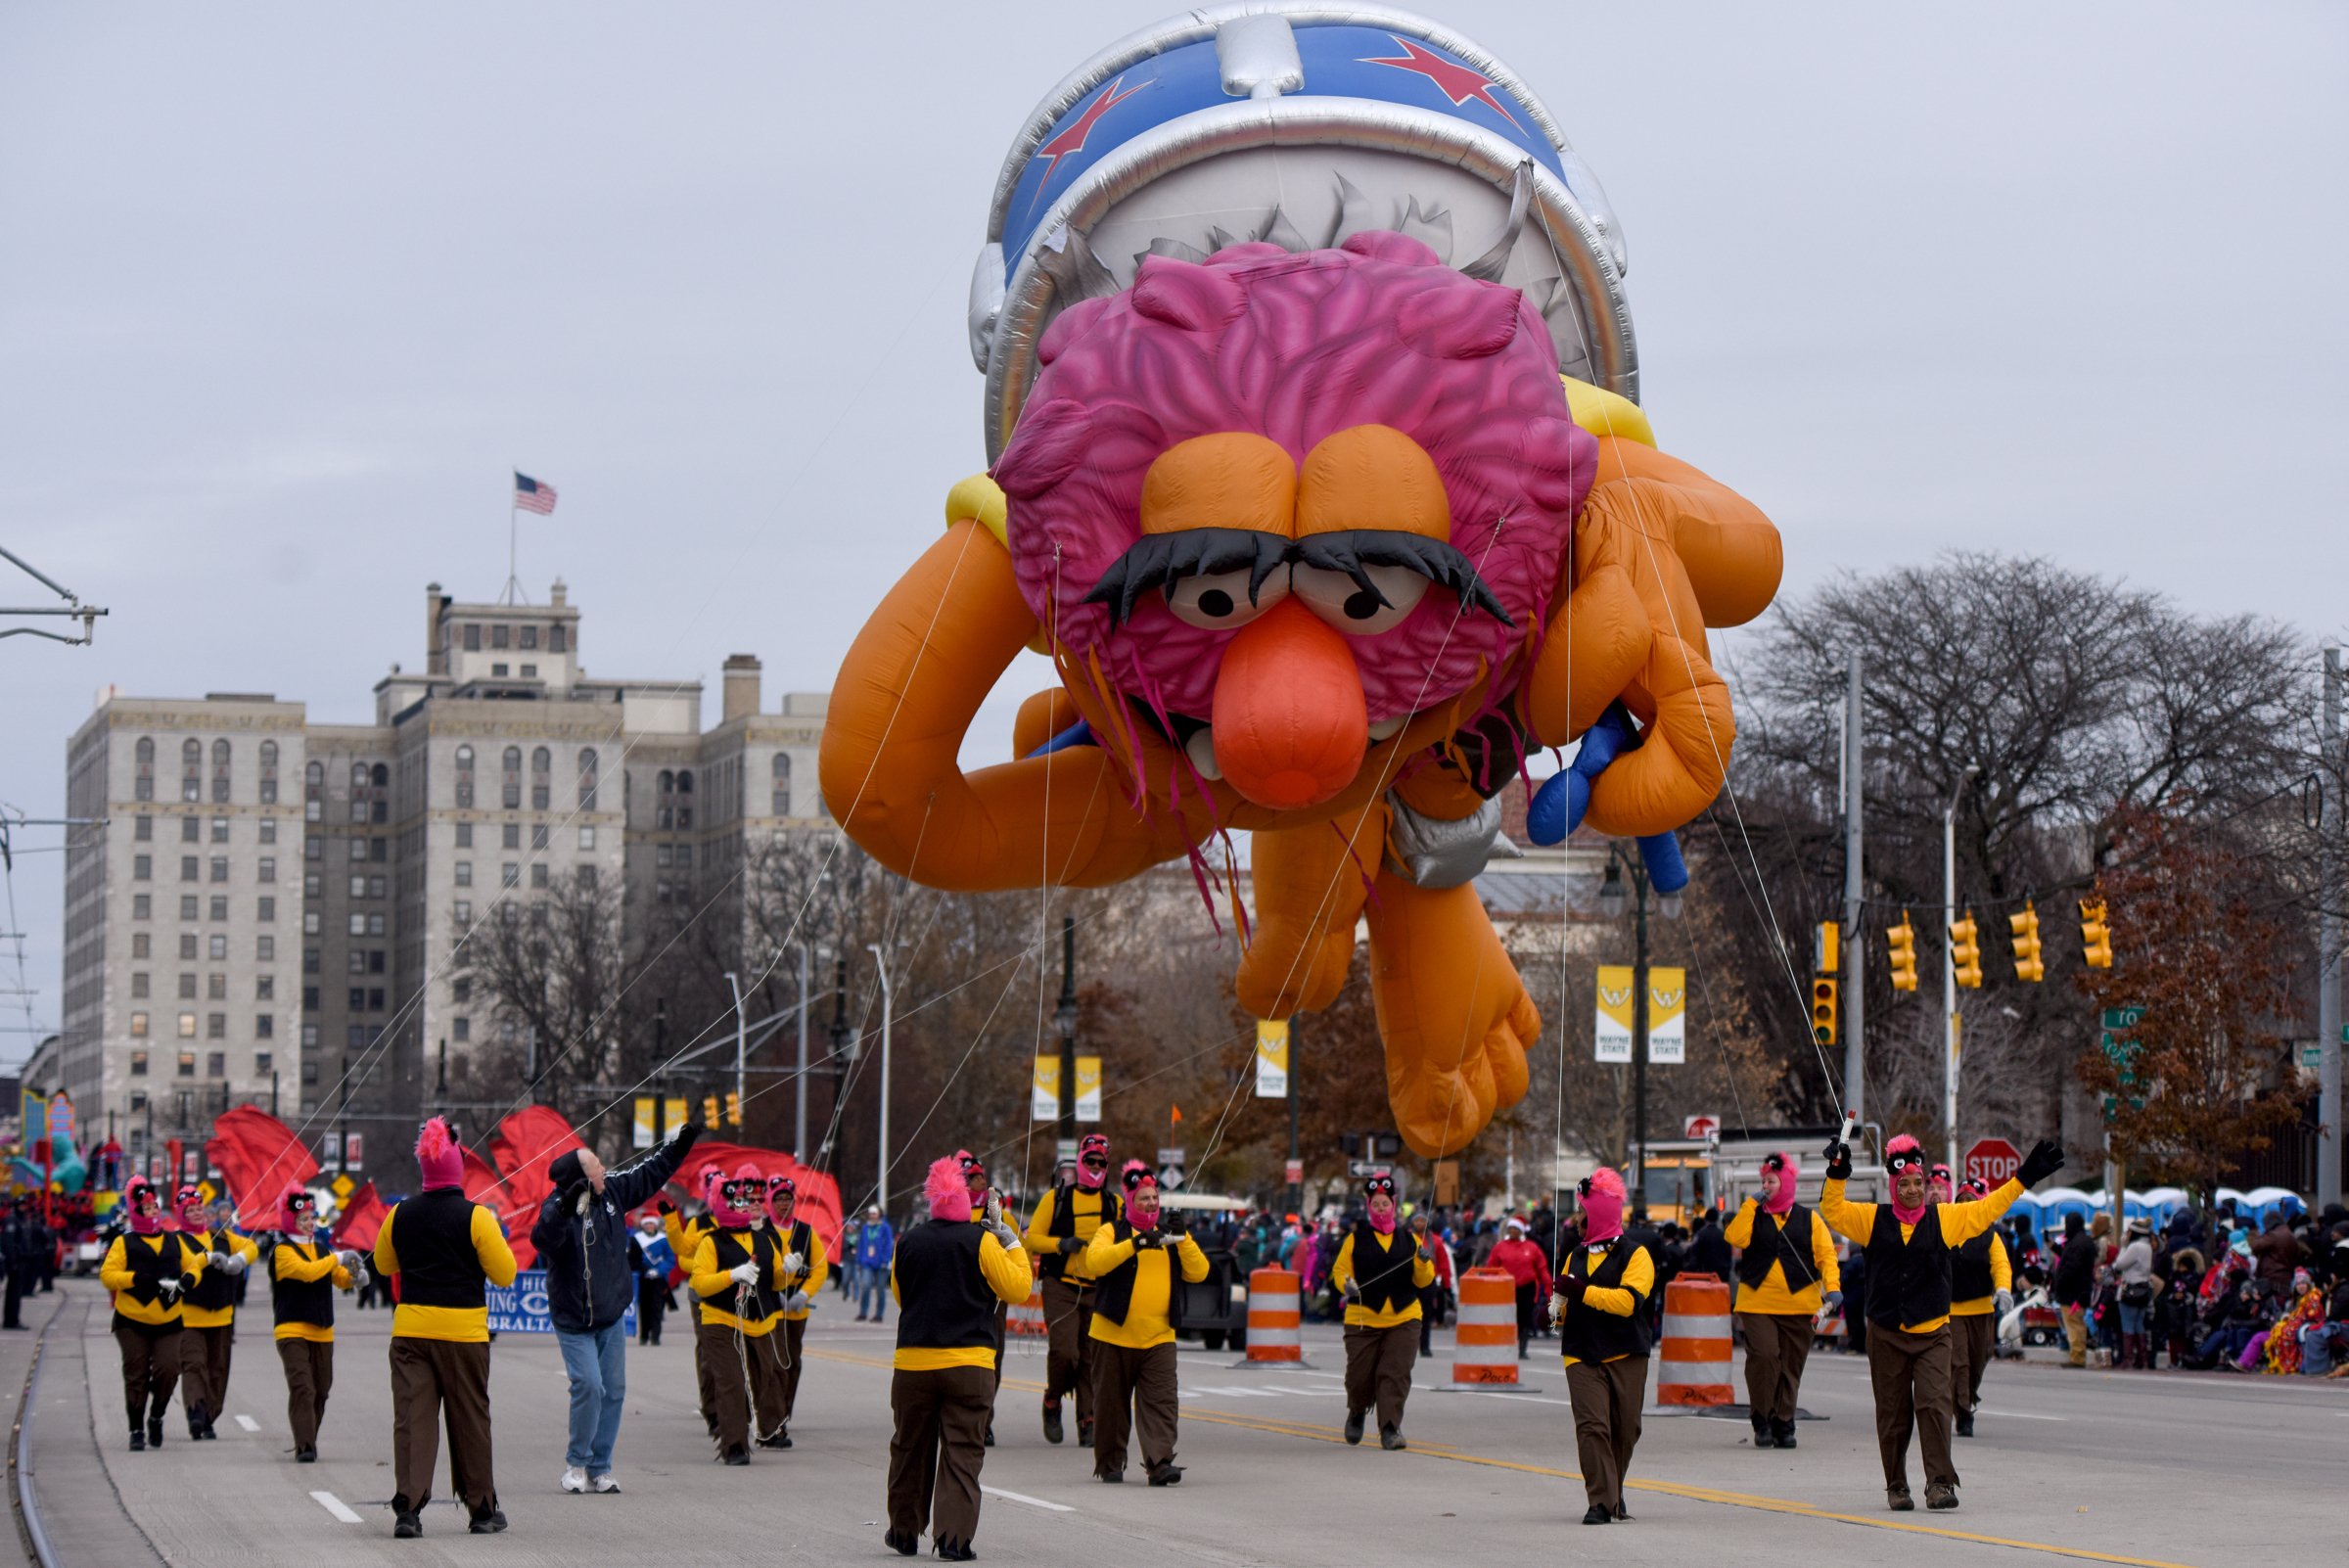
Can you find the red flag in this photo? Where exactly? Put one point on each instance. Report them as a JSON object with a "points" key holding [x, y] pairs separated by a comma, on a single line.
{"points": [[818, 1198], [486, 1187], [361, 1219], [258, 1157], [524, 1145]]}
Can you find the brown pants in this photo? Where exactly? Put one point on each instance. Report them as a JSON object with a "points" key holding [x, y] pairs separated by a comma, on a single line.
{"points": [[436, 1381], [1378, 1369], [1606, 1396], [935, 1451], [203, 1369], [2075, 1334], [1069, 1343], [151, 1358], [1777, 1346], [1912, 1377], [794, 1333], [1971, 1338], [701, 1364], [727, 1355], [310, 1372], [1140, 1382]]}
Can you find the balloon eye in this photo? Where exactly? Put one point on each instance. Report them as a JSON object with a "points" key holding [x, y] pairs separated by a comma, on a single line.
{"points": [[1359, 612], [1220, 600]]}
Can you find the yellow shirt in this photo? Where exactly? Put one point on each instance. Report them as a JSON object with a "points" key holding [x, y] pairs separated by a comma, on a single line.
{"points": [[307, 1263], [1041, 1243], [1006, 1273], [1961, 1222], [466, 1325], [1360, 1315], [221, 1241], [1771, 1295], [819, 1270], [115, 1275], [1147, 1318], [716, 1285], [1638, 1282], [2001, 1278]]}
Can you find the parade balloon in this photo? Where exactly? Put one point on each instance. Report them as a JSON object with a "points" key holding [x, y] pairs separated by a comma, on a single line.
{"points": [[1319, 473]]}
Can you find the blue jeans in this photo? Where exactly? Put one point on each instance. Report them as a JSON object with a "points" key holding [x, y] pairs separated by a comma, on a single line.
{"points": [[872, 1292], [2133, 1319], [597, 1362]]}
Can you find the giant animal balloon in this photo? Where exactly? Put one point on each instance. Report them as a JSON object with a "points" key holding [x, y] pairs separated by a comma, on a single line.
{"points": [[1317, 472]]}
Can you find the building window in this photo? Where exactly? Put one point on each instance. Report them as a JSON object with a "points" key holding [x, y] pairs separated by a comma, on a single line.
{"points": [[219, 830], [530, 638], [216, 1026], [464, 873], [220, 869], [220, 770], [310, 961], [187, 868], [187, 907], [216, 1064], [266, 953], [187, 1059], [143, 829], [310, 922], [191, 830], [142, 906], [219, 945], [538, 837], [464, 835], [358, 850], [463, 1030], [266, 912], [187, 944], [139, 942], [142, 867], [268, 773], [586, 875], [472, 638], [268, 830], [187, 1031], [358, 961], [219, 905], [374, 925], [781, 804], [497, 670], [143, 752], [359, 925], [216, 986], [537, 873], [268, 869], [358, 884], [542, 762], [465, 763], [464, 911], [191, 770], [558, 638], [512, 838], [187, 983], [309, 1037], [138, 1030], [264, 1025], [529, 672], [509, 783], [263, 1061], [138, 984], [310, 1001], [510, 875], [501, 636], [587, 765]]}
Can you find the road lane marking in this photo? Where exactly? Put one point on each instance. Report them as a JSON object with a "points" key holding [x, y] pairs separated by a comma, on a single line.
{"points": [[1022, 1497], [2019, 1415], [248, 1423], [336, 1506]]}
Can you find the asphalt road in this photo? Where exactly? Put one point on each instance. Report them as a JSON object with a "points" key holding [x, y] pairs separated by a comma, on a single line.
{"points": [[2113, 1467]]}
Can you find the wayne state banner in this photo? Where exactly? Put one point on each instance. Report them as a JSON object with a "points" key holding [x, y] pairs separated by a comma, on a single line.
{"points": [[1271, 1058], [1667, 1014], [1045, 1106]]}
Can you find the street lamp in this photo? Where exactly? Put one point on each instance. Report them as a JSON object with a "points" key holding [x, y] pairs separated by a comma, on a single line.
{"points": [[741, 1046], [1613, 900], [1949, 964], [881, 966]]}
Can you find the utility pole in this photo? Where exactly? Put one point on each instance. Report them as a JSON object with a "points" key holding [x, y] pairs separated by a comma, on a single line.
{"points": [[1639, 1040], [741, 1046], [2330, 776], [1855, 945], [660, 1085], [1065, 1014], [799, 1115], [1296, 1157], [844, 1045], [1949, 966], [272, 1102], [888, 1001]]}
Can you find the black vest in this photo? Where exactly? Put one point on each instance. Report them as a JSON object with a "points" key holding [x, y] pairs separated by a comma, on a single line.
{"points": [[432, 1233], [1907, 1282], [215, 1288], [1592, 1336], [944, 1303], [151, 1265], [1969, 1270], [302, 1300], [1384, 1277], [734, 1248], [1113, 1297], [1064, 1224], [1789, 1248]]}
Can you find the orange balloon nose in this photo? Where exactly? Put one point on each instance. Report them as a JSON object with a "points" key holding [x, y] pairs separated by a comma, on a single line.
{"points": [[1290, 726]]}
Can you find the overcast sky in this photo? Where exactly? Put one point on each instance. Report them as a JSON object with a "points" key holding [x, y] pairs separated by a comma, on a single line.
{"points": [[286, 292]]}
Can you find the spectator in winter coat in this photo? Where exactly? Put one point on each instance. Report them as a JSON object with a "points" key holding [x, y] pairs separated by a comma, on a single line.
{"points": [[1708, 1252], [1528, 1269], [2132, 1275], [2076, 1287], [583, 1240], [876, 1245], [2275, 1253]]}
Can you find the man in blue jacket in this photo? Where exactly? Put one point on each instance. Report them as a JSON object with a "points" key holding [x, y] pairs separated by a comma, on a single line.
{"points": [[582, 1241], [876, 1246]]}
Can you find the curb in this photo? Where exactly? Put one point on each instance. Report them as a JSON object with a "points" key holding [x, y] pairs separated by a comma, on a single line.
{"points": [[19, 1452]]}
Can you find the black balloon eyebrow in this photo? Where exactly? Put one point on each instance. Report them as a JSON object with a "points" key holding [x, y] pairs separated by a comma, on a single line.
{"points": [[1354, 551], [1163, 559]]}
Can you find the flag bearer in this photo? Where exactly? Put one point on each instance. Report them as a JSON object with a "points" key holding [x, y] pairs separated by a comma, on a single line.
{"points": [[1136, 1309], [1381, 1273], [1784, 1272]]}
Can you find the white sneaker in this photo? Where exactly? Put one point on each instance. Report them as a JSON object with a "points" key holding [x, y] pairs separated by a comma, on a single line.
{"points": [[574, 1479], [605, 1482]]}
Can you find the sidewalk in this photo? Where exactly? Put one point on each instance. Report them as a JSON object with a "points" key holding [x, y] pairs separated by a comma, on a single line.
{"points": [[79, 1506]]}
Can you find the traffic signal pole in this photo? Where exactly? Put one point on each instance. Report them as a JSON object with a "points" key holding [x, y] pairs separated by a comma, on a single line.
{"points": [[1855, 997], [2328, 939], [1949, 967]]}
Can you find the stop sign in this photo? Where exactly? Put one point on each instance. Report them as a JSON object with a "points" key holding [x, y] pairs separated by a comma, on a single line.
{"points": [[1992, 1162]]}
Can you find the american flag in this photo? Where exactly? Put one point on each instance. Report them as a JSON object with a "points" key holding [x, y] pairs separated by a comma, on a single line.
{"points": [[533, 495]]}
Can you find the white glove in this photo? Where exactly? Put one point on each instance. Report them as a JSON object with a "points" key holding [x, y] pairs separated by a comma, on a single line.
{"points": [[168, 1290], [215, 1260], [1352, 1288], [794, 1263], [745, 1273], [797, 1302], [233, 1263], [358, 1276], [1004, 1234], [349, 1259], [1557, 1311], [2004, 1303]]}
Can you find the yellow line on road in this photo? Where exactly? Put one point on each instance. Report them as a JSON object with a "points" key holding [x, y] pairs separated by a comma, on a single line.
{"points": [[1674, 1489]]}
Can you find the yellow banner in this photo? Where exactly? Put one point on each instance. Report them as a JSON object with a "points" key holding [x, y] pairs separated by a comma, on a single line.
{"points": [[1667, 1015], [1088, 1088], [1044, 1094], [1271, 1058], [1613, 1035]]}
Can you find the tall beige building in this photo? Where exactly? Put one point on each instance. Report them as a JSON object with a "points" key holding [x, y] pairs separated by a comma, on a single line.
{"points": [[268, 909]]}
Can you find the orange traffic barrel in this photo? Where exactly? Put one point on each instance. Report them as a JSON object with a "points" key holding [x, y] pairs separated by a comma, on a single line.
{"points": [[1027, 1318], [1276, 1322], [1483, 1344], [1692, 1366]]}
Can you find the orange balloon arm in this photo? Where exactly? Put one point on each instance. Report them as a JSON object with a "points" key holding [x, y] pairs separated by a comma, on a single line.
{"points": [[1311, 885], [1680, 764], [907, 694], [1454, 1014], [1597, 642]]}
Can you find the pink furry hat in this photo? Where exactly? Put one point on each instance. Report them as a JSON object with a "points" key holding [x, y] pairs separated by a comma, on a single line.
{"points": [[949, 1196], [1782, 1196], [1901, 1149], [296, 1211], [1603, 1197], [436, 1156], [729, 1215]]}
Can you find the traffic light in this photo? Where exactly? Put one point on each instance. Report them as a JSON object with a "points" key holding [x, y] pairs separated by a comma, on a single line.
{"points": [[710, 1110], [2096, 937], [1822, 1010], [1966, 951], [2025, 926], [1902, 940], [733, 1109], [1826, 942]]}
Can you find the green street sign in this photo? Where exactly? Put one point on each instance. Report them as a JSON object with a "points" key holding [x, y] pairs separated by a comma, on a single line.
{"points": [[2122, 1017], [2312, 1053], [2124, 1053]]}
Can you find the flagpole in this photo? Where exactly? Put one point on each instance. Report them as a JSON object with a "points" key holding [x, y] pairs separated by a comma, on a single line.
{"points": [[512, 526]]}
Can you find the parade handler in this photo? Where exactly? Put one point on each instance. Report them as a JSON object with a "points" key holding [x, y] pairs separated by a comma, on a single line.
{"points": [[148, 1268], [445, 1252], [1784, 1272], [1136, 1310], [739, 1274], [208, 1310], [805, 1268], [582, 1241], [1058, 1233], [1909, 1244], [1600, 1310], [945, 1279], [1982, 1290], [303, 1276], [1381, 1276], [686, 1233]]}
